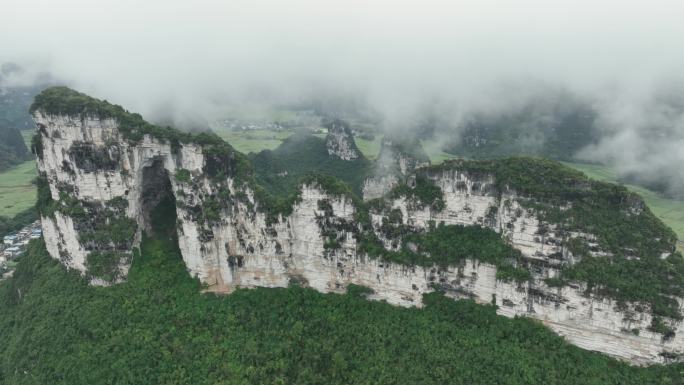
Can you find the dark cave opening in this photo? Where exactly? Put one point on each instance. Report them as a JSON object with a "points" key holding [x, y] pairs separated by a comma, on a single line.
{"points": [[158, 201]]}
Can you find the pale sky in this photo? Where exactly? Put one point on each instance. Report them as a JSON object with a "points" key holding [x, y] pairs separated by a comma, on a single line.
{"points": [[138, 52], [177, 58]]}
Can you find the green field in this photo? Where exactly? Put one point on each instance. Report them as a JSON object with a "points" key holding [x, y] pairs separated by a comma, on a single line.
{"points": [[434, 150], [670, 211], [254, 140], [369, 148], [16, 191]]}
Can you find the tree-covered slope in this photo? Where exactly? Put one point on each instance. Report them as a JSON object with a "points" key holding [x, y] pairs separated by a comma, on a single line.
{"points": [[280, 170], [14, 105], [553, 124], [643, 264], [14, 117], [158, 328]]}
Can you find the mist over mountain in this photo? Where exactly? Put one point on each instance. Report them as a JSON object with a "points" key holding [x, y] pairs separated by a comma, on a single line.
{"points": [[18, 87], [342, 192], [569, 80]]}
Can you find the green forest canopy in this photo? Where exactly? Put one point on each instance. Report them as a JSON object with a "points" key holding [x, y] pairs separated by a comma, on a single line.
{"points": [[158, 328]]}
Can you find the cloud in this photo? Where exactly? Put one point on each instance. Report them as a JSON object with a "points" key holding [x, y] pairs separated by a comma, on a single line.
{"points": [[173, 59], [643, 136]]}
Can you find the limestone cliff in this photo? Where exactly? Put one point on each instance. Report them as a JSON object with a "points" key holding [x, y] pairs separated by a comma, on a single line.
{"points": [[105, 170], [340, 141], [398, 158]]}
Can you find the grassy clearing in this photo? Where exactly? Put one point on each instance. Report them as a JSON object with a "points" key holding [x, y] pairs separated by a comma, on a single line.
{"points": [[254, 140], [670, 211], [369, 148], [16, 191], [434, 150]]}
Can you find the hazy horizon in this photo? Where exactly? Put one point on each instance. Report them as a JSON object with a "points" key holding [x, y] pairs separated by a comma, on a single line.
{"points": [[174, 59]]}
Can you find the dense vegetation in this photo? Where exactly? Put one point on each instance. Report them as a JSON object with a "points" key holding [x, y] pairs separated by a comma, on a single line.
{"points": [[14, 116], [157, 328], [423, 193], [446, 245], [556, 125], [8, 225], [280, 170], [621, 221], [12, 147]]}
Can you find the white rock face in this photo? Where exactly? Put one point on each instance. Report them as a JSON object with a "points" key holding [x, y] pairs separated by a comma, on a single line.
{"points": [[378, 186], [340, 142], [244, 248]]}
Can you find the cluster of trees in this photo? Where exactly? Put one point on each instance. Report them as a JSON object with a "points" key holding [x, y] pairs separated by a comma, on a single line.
{"points": [[423, 192], [158, 328], [450, 245], [14, 104], [8, 225], [556, 125], [89, 157], [12, 147], [280, 171]]}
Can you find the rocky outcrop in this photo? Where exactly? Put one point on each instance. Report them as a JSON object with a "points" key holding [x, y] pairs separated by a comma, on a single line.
{"points": [[340, 141], [229, 238], [398, 158]]}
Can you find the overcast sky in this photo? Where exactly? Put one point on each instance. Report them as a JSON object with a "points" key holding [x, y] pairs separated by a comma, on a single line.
{"points": [[170, 57], [146, 52]]}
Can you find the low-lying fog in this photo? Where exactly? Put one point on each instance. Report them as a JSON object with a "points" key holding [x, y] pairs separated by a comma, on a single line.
{"points": [[393, 63]]}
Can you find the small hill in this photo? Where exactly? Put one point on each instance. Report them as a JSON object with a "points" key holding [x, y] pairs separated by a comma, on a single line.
{"points": [[280, 170]]}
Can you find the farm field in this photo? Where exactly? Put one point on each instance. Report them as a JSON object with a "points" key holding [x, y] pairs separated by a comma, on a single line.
{"points": [[254, 140], [17, 193]]}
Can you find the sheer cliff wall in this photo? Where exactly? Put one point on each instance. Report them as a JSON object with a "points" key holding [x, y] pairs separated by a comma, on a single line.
{"points": [[102, 182]]}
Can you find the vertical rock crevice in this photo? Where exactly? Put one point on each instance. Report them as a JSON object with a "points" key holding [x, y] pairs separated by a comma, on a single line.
{"points": [[158, 203]]}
